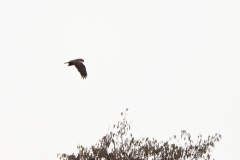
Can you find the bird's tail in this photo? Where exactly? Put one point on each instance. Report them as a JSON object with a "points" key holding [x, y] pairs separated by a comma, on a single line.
{"points": [[69, 63]]}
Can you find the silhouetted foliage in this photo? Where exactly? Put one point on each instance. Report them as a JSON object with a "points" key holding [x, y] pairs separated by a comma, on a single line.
{"points": [[120, 145]]}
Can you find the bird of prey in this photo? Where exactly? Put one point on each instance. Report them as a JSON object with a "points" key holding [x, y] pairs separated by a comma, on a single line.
{"points": [[79, 65]]}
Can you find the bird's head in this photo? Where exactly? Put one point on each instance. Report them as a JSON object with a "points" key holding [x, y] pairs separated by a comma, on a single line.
{"points": [[81, 60]]}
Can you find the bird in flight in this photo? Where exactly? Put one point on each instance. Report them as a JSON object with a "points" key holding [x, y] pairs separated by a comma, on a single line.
{"points": [[79, 65]]}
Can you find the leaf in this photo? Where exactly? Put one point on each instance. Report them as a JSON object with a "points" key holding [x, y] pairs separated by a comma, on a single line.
{"points": [[130, 154], [131, 141]]}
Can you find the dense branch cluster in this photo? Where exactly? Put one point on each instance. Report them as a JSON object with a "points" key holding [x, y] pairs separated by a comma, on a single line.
{"points": [[120, 145]]}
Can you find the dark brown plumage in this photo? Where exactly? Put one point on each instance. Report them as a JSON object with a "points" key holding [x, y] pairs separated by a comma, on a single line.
{"points": [[79, 65]]}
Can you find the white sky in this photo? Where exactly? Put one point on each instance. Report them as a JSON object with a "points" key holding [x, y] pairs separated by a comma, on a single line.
{"points": [[174, 64]]}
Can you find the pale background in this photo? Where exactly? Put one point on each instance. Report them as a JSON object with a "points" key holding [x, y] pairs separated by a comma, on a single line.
{"points": [[174, 64]]}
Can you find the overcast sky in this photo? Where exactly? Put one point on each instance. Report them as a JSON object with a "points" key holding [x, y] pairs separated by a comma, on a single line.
{"points": [[174, 64]]}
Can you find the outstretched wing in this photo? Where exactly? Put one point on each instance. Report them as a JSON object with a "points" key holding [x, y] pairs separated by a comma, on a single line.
{"points": [[81, 68]]}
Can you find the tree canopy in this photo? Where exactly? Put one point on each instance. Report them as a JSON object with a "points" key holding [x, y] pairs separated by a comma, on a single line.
{"points": [[119, 144]]}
